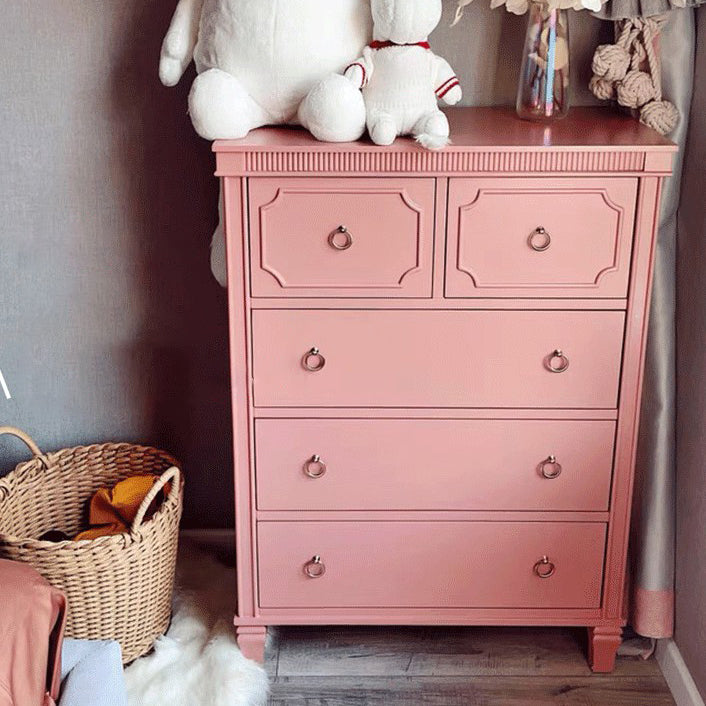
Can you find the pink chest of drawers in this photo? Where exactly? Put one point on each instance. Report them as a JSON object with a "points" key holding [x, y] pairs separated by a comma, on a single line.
{"points": [[436, 370]]}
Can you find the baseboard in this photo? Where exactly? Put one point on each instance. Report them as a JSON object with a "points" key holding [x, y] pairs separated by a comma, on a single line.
{"points": [[214, 538], [677, 674]]}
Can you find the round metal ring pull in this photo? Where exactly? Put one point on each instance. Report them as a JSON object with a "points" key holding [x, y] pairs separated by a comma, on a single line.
{"points": [[315, 568], [557, 362], [315, 467], [540, 240], [550, 468], [544, 568], [340, 239], [313, 360]]}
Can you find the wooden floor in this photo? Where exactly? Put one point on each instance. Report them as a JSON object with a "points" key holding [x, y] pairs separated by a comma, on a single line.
{"points": [[352, 666]]}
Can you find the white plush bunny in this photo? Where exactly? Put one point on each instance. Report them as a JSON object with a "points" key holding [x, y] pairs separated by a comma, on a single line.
{"points": [[265, 62], [401, 77]]}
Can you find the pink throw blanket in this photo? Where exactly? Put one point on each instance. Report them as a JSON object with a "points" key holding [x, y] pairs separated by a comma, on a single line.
{"points": [[32, 618]]}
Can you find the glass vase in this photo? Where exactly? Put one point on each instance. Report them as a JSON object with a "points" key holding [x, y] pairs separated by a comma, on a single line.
{"points": [[543, 92]]}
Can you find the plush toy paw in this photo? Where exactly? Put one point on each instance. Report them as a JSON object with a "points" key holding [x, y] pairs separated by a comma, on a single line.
{"points": [[334, 110], [221, 108], [170, 71], [357, 75], [453, 96], [360, 72], [383, 130]]}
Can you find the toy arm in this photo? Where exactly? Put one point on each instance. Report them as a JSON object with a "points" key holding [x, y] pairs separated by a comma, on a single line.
{"points": [[178, 46], [446, 83], [361, 70]]}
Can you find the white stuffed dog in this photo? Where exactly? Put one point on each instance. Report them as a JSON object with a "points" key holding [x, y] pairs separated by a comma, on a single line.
{"points": [[265, 62], [401, 77]]}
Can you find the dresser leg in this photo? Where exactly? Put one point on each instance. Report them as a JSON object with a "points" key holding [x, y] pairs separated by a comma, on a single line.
{"points": [[603, 645], [251, 641]]}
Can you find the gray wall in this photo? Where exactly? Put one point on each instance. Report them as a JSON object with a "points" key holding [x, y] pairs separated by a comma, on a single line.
{"points": [[691, 384], [111, 327]]}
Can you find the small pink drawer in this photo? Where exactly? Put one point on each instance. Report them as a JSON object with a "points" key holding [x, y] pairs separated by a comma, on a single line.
{"points": [[450, 359], [569, 237], [433, 464], [430, 564], [341, 237]]}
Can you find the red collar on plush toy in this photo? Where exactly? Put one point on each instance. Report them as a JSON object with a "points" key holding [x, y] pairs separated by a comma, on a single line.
{"points": [[384, 45]]}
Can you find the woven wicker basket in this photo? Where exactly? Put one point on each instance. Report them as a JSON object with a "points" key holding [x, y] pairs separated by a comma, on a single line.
{"points": [[118, 587]]}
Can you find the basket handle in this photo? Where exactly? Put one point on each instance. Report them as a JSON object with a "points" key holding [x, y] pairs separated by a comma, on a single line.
{"points": [[171, 474], [28, 440]]}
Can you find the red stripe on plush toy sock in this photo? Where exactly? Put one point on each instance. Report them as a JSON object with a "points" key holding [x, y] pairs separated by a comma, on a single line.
{"points": [[362, 68], [445, 83], [441, 91]]}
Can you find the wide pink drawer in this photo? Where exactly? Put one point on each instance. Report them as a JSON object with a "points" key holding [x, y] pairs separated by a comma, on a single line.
{"points": [[430, 564], [356, 237], [433, 464], [437, 358], [560, 237]]}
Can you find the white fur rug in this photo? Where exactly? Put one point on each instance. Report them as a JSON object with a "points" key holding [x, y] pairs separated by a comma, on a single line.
{"points": [[198, 663]]}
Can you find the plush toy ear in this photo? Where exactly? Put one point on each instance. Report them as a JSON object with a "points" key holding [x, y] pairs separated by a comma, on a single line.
{"points": [[383, 14]]}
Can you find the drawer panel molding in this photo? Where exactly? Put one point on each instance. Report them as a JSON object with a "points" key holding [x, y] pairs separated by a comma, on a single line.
{"points": [[341, 237], [433, 464], [439, 565], [491, 359], [540, 237]]}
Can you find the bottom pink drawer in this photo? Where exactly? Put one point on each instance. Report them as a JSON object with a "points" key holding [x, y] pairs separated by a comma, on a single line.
{"points": [[430, 564]]}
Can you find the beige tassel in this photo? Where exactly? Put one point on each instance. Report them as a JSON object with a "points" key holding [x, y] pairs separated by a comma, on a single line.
{"points": [[617, 73], [636, 89], [602, 89], [662, 116], [611, 62]]}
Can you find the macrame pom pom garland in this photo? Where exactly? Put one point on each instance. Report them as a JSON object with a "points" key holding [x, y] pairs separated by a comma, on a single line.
{"points": [[636, 89], [611, 62], [619, 73], [601, 88], [662, 116]]}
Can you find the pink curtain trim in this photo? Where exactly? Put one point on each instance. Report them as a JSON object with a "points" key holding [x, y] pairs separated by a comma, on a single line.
{"points": [[653, 613]]}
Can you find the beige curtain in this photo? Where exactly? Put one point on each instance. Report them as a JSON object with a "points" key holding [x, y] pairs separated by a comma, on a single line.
{"points": [[622, 9], [654, 509]]}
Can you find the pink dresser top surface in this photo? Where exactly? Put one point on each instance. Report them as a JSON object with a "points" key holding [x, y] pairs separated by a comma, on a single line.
{"points": [[474, 128]]}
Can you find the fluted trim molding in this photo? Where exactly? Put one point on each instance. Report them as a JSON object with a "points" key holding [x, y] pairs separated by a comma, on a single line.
{"points": [[318, 161]]}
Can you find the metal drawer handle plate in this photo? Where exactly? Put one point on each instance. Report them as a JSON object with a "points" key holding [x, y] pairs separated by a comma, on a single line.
{"points": [[544, 568], [340, 239], [540, 240], [315, 568], [313, 361], [550, 468], [557, 362], [315, 468]]}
